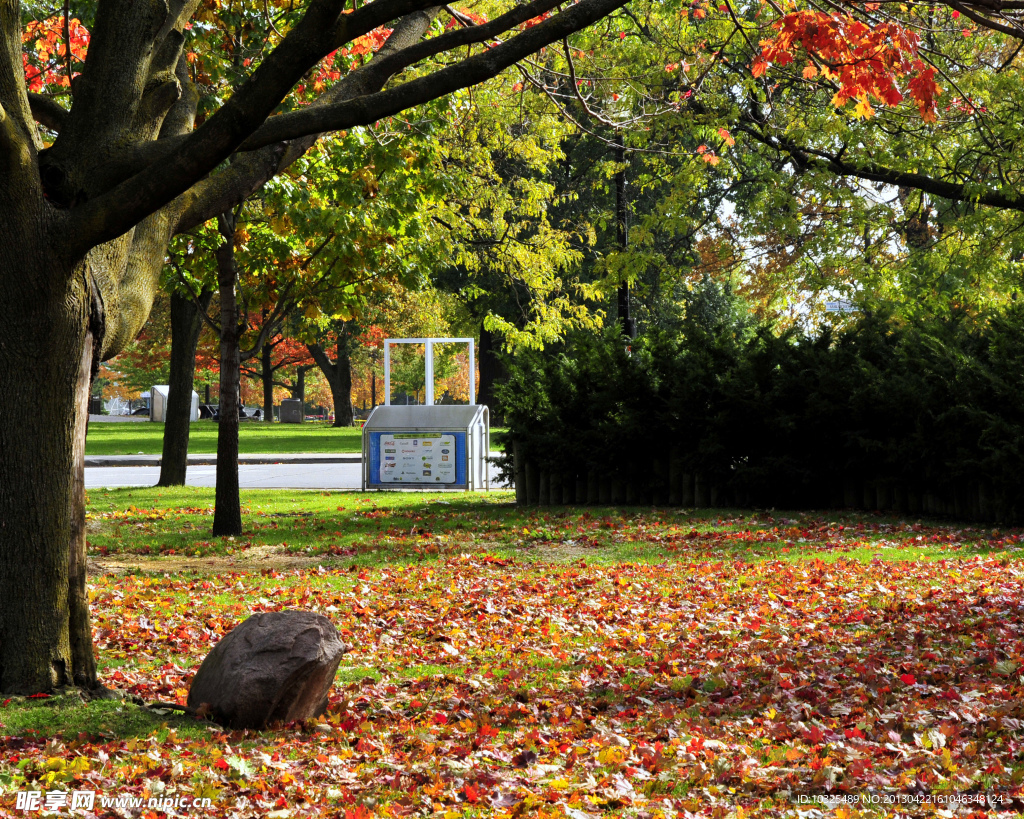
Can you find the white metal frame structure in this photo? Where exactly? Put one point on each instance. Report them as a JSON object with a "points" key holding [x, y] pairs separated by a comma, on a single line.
{"points": [[428, 346]]}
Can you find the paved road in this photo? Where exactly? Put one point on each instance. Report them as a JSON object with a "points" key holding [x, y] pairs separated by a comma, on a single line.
{"points": [[250, 476]]}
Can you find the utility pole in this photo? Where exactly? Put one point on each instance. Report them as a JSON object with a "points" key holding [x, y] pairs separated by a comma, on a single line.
{"points": [[626, 322]]}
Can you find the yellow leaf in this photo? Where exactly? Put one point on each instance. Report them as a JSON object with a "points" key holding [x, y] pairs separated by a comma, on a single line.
{"points": [[611, 755], [863, 109]]}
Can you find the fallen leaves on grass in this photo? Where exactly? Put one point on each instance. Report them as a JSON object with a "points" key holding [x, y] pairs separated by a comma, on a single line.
{"points": [[480, 685]]}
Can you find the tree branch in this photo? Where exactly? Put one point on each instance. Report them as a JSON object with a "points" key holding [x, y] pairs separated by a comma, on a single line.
{"points": [[322, 360], [968, 11], [470, 71], [108, 91], [48, 113], [399, 52], [807, 157], [115, 212], [13, 98], [251, 170]]}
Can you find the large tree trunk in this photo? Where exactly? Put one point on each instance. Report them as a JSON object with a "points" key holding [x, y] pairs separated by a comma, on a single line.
{"points": [[339, 376], [47, 352], [227, 514], [186, 324]]}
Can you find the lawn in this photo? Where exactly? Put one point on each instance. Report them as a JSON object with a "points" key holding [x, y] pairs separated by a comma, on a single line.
{"points": [[553, 663], [254, 437]]}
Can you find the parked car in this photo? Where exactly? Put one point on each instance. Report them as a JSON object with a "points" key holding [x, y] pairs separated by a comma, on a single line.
{"points": [[141, 411]]}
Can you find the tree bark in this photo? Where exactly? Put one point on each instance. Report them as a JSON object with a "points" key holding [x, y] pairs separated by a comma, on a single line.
{"points": [[47, 352], [186, 324], [83, 657], [227, 513]]}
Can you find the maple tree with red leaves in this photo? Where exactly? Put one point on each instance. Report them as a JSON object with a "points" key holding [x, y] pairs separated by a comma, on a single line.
{"points": [[51, 47], [878, 55], [864, 61]]}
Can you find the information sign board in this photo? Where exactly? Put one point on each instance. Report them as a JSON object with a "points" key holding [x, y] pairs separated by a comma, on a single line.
{"points": [[408, 457]]}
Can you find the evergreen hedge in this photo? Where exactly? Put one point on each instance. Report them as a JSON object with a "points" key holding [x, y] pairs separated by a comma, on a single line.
{"points": [[916, 417]]}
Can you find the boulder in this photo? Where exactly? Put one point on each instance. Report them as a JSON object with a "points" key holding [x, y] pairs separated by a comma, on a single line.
{"points": [[275, 667]]}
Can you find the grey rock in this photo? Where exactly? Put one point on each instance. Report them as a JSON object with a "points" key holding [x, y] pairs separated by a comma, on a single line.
{"points": [[275, 667]]}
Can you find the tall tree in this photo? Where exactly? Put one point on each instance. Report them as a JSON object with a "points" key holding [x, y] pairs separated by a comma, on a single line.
{"points": [[338, 372], [85, 221]]}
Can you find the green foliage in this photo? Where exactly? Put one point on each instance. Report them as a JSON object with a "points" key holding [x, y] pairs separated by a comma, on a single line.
{"points": [[923, 415]]}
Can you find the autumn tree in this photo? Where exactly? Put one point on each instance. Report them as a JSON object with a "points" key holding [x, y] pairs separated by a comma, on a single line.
{"points": [[889, 135], [85, 220]]}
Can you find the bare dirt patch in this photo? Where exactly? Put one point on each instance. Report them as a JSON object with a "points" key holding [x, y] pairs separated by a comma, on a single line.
{"points": [[255, 559]]}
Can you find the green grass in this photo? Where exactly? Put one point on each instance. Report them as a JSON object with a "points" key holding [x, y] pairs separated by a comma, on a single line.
{"points": [[382, 528], [103, 719], [254, 437]]}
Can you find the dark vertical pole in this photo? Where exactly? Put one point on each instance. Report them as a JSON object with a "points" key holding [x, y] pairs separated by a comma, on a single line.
{"points": [[621, 208]]}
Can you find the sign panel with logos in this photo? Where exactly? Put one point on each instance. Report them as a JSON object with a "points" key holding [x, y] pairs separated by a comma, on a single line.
{"points": [[417, 459], [407, 457]]}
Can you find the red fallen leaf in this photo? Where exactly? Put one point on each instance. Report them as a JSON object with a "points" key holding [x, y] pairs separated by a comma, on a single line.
{"points": [[908, 679], [439, 718], [220, 763], [521, 760], [35, 697], [472, 794]]}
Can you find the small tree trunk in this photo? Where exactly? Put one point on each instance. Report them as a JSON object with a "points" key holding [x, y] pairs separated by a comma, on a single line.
{"points": [[490, 372], [186, 324], [267, 376], [227, 515], [519, 473], [341, 387]]}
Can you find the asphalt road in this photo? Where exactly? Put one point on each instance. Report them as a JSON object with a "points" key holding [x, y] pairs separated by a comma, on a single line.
{"points": [[250, 476]]}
